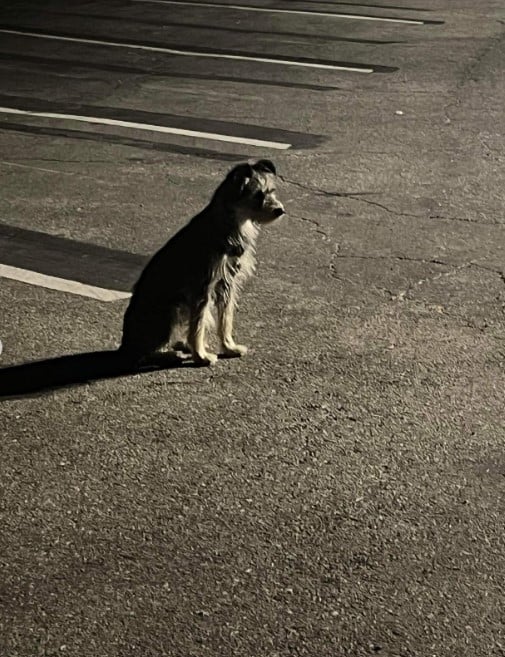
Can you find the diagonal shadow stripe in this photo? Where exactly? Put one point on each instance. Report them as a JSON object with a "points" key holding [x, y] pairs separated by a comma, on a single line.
{"points": [[219, 28], [50, 63], [69, 259], [196, 51], [358, 5], [284, 10], [143, 144], [197, 124]]}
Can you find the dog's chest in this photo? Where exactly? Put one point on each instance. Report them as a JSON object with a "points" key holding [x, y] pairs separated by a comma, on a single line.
{"points": [[244, 265], [240, 261]]}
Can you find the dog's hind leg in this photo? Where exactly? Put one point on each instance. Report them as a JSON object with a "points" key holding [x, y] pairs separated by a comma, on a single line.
{"points": [[225, 304], [144, 335]]}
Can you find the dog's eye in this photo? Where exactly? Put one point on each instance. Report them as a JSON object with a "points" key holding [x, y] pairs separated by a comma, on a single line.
{"points": [[259, 196]]}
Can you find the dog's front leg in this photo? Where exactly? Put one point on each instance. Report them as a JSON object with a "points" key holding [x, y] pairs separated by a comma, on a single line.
{"points": [[198, 323], [225, 303]]}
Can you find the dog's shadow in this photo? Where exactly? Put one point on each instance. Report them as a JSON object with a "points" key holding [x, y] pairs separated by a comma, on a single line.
{"points": [[38, 377]]}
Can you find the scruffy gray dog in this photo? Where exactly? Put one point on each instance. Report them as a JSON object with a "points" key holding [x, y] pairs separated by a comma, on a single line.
{"points": [[201, 268]]}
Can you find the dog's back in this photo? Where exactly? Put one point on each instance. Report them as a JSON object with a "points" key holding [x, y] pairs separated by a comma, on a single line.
{"points": [[170, 279]]}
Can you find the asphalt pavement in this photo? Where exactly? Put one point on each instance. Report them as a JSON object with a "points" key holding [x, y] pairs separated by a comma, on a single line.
{"points": [[339, 491]]}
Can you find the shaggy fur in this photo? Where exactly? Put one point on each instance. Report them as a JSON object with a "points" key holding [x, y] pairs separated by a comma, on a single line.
{"points": [[201, 268]]}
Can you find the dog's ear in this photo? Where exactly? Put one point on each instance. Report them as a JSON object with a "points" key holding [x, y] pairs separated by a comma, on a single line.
{"points": [[240, 176], [265, 165]]}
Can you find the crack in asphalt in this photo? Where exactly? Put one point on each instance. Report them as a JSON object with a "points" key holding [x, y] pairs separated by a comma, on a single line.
{"points": [[400, 296], [319, 228], [499, 272], [468, 323], [333, 272], [463, 220], [433, 261], [404, 294], [334, 254], [356, 196], [454, 269], [360, 197]]}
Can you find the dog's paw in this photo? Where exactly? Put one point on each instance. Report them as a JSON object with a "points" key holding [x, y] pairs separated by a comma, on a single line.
{"points": [[182, 346], [205, 359], [234, 351]]}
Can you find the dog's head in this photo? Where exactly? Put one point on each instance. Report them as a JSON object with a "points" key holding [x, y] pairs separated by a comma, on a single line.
{"points": [[251, 190]]}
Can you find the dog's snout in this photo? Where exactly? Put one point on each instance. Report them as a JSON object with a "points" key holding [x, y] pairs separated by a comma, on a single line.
{"points": [[278, 212]]}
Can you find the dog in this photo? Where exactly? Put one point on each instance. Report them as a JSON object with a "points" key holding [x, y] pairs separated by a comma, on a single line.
{"points": [[200, 271]]}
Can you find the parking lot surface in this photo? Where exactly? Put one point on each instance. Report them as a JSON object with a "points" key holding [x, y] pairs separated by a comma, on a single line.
{"points": [[340, 490]]}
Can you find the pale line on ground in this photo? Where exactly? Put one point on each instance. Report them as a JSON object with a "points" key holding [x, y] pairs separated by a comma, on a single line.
{"points": [[189, 53], [148, 126], [61, 284], [27, 166], [210, 5]]}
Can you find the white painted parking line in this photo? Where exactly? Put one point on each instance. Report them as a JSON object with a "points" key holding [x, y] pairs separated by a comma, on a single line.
{"points": [[150, 127], [192, 53], [275, 10], [27, 166], [61, 284]]}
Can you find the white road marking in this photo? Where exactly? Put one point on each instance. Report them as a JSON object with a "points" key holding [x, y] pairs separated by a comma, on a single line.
{"points": [[190, 53], [273, 10], [61, 284], [148, 126], [26, 166]]}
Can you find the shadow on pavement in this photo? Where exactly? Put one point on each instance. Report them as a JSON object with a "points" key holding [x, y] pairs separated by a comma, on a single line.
{"points": [[42, 376]]}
